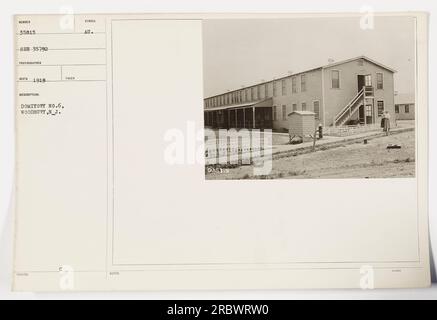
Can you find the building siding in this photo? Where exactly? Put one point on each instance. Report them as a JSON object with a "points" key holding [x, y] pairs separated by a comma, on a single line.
{"points": [[337, 99], [402, 115], [318, 88], [312, 93]]}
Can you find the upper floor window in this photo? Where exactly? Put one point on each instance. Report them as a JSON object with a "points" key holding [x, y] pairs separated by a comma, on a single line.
{"points": [[293, 85], [379, 81], [284, 87], [396, 108], [303, 82], [284, 112], [304, 106], [294, 106], [335, 79], [407, 108], [274, 88], [252, 93], [258, 89], [368, 80], [266, 90]]}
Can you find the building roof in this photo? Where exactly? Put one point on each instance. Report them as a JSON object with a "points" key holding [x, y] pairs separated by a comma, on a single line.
{"points": [[257, 104], [301, 112], [308, 70], [360, 57], [404, 98]]}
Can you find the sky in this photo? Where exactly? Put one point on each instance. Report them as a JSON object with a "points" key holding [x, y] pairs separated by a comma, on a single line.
{"points": [[243, 52]]}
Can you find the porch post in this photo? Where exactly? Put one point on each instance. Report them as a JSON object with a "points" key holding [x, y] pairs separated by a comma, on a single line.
{"points": [[236, 119], [229, 119], [244, 118], [365, 109], [253, 114]]}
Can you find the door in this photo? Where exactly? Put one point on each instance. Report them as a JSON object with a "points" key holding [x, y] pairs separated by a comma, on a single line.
{"points": [[361, 82], [364, 80], [361, 114]]}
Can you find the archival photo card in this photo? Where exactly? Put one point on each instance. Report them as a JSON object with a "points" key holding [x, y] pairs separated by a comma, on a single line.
{"points": [[221, 151]]}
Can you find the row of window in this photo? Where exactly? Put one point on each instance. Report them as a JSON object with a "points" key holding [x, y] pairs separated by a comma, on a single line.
{"points": [[316, 110], [256, 93], [263, 91], [303, 105], [406, 108], [335, 80]]}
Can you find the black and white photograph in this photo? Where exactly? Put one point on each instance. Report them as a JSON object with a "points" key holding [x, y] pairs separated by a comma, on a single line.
{"points": [[314, 97]]}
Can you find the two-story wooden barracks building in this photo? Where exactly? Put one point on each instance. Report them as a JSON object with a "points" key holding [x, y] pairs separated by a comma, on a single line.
{"points": [[354, 91]]}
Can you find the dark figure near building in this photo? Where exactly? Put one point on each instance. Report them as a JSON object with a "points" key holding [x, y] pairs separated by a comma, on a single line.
{"points": [[385, 123]]}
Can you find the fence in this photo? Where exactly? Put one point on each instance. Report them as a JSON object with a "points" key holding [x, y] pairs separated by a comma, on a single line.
{"points": [[343, 131]]}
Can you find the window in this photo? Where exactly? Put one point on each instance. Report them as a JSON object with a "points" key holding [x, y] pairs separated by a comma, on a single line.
{"points": [[396, 108], [316, 107], [368, 80], [252, 94], [379, 81], [266, 90], [303, 82], [407, 108], [284, 87], [335, 78], [368, 110], [293, 85], [258, 89], [248, 97], [274, 114], [284, 112], [294, 106], [361, 62], [274, 88], [304, 106], [380, 108]]}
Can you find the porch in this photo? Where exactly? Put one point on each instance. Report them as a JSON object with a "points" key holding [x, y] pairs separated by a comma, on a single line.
{"points": [[255, 115]]}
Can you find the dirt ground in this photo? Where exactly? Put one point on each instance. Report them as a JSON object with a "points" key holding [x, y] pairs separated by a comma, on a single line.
{"points": [[355, 160]]}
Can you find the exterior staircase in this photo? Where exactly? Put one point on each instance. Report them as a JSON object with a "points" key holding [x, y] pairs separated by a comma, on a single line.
{"points": [[353, 106]]}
